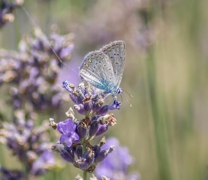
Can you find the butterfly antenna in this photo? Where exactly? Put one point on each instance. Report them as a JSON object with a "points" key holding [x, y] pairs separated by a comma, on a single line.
{"points": [[127, 98], [106, 96], [121, 97], [129, 94], [35, 25]]}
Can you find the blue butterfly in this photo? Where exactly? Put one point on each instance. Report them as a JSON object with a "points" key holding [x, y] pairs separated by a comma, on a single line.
{"points": [[103, 69]]}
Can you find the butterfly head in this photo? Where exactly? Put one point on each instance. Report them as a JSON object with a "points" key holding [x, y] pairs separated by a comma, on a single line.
{"points": [[112, 89], [119, 90]]}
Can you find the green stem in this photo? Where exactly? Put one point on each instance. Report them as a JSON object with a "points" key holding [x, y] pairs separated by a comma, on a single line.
{"points": [[2, 156], [55, 175], [25, 170], [84, 175], [159, 123]]}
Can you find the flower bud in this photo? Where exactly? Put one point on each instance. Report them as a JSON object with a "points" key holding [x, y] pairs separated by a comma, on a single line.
{"points": [[103, 154], [80, 108], [66, 153], [96, 149], [102, 111], [88, 106], [82, 130], [102, 129], [79, 150], [93, 128], [115, 105]]}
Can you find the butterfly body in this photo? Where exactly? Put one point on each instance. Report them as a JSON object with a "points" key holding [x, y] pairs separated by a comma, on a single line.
{"points": [[103, 69]]}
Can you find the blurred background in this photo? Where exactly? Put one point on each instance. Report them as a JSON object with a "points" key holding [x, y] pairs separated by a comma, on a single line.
{"points": [[166, 71]]}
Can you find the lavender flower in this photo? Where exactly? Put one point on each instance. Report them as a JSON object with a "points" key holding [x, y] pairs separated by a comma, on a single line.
{"points": [[93, 177], [74, 146], [45, 160], [7, 174], [88, 101], [28, 144], [116, 165], [32, 74], [7, 11], [39, 167], [33, 71]]}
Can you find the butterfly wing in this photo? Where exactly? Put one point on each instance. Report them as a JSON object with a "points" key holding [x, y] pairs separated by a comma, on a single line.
{"points": [[97, 70], [116, 53]]}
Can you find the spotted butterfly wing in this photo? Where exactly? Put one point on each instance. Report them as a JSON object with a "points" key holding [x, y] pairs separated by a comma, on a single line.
{"points": [[97, 70], [116, 53]]}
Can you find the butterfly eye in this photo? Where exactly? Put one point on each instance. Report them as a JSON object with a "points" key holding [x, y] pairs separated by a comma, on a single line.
{"points": [[119, 91]]}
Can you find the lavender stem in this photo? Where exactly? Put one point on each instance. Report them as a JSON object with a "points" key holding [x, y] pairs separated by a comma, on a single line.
{"points": [[84, 175]]}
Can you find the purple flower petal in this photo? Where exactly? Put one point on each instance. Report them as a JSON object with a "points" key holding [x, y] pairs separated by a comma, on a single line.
{"points": [[115, 105], [75, 137], [115, 165], [46, 158], [64, 138], [68, 142], [67, 129], [66, 126], [66, 51]]}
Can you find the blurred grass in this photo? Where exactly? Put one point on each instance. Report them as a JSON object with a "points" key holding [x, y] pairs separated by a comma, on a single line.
{"points": [[166, 129]]}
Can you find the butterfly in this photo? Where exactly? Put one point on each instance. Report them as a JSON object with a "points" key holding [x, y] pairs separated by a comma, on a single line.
{"points": [[103, 68]]}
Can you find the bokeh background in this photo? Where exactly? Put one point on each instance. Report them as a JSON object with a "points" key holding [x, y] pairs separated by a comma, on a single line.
{"points": [[166, 71]]}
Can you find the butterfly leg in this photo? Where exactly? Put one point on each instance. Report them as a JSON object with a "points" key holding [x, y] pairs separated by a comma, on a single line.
{"points": [[114, 96]]}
